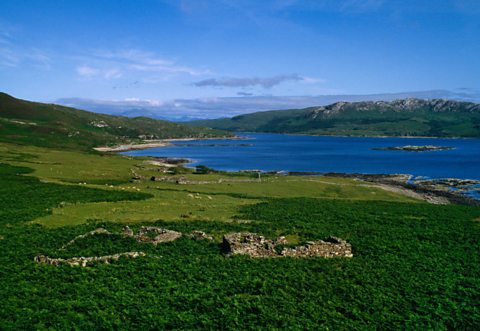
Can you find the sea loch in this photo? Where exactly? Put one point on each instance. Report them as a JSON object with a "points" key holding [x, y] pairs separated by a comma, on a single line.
{"points": [[276, 152]]}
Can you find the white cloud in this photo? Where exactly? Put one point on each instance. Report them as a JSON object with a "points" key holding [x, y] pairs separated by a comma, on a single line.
{"points": [[89, 72], [112, 74], [131, 64], [86, 71], [144, 61]]}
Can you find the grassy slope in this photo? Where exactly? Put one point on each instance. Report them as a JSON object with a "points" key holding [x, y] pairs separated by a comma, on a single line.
{"points": [[49, 125], [415, 265], [351, 121]]}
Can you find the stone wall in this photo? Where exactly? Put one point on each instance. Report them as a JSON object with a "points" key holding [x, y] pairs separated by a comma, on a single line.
{"points": [[84, 261], [254, 245]]}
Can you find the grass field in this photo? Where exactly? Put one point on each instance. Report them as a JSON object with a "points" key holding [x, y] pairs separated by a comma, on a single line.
{"points": [[415, 265], [219, 197]]}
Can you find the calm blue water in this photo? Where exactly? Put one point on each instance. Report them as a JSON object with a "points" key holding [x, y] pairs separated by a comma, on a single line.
{"points": [[275, 152]]}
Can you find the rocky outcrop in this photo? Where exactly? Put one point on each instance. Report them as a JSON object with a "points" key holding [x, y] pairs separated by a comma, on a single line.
{"points": [[401, 105], [84, 261], [412, 148], [254, 245], [433, 191]]}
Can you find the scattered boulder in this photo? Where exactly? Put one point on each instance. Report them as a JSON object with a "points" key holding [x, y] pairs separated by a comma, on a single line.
{"points": [[200, 235], [254, 245], [181, 180], [126, 231]]}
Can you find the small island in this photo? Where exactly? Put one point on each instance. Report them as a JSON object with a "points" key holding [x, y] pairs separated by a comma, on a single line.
{"points": [[412, 148]]}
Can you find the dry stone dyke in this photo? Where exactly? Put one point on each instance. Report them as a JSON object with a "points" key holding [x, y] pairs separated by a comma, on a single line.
{"points": [[88, 234], [254, 245], [146, 234], [84, 261]]}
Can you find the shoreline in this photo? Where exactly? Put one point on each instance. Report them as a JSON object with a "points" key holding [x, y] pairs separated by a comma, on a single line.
{"points": [[358, 136], [434, 192], [167, 142], [157, 143]]}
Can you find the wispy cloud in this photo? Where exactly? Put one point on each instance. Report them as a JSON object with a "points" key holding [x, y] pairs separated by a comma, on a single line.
{"points": [[140, 60], [91, 72], [265, 82], [8, 57], [131, 64], [13, 55], [86, 71]]}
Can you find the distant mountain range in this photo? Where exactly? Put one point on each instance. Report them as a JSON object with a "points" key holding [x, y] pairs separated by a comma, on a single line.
{"points": [[180, 110], [57, 126], [406, 117]]}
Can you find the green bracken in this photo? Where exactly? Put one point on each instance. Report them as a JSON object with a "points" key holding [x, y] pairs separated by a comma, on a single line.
{"points": [[415, 265]]}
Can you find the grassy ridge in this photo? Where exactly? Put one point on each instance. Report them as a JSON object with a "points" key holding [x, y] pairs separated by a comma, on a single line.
{"points": [[410, 117], [50, 125]]}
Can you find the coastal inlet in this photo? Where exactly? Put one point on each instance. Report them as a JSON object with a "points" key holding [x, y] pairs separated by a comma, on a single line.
{"points": [[320, 154]]}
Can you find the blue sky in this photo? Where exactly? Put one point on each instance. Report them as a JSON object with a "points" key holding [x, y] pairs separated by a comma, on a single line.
{"points": [[163, 51]]}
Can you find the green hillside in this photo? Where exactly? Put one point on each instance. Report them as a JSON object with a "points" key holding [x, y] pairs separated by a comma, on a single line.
{"points": [[408, 117], [50, 125]]}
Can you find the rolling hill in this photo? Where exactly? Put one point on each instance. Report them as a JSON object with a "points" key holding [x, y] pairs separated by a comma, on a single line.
{"points": [[406, 117], [50, 125]]}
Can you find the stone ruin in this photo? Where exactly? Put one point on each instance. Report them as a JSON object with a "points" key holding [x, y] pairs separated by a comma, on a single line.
{"points": [[168, 179], [84, 261], [331, 247], [241, 243], [152, 234], [147, 234], [254, 245]]}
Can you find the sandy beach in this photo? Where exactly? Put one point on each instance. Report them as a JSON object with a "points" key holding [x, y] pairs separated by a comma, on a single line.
{"points": [[155, 143]]}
